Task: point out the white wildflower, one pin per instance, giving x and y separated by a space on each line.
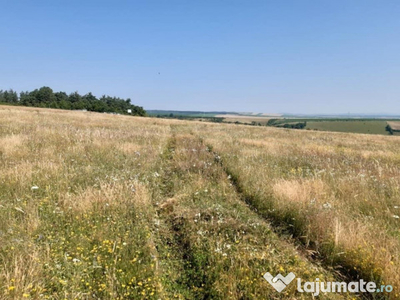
34 188
327 205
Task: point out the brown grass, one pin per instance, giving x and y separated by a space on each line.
394 125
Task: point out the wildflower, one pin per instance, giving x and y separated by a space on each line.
396 217
34 188
11 288
75 260
327 205
156 174
63 282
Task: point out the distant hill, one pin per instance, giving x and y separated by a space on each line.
195 113
187 113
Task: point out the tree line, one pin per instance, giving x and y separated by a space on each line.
45 97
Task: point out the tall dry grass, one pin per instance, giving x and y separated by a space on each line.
337 194
96 206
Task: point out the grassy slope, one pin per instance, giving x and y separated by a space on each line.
338 194
137 208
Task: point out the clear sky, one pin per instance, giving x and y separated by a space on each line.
278 56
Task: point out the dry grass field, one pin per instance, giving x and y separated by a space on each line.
97 206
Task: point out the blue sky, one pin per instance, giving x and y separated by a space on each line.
260 56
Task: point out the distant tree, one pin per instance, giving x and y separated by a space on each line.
90 101
9 97
27 99
389 129
65 104
45 97
75 99
61 96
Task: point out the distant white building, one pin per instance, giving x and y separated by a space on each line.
129 111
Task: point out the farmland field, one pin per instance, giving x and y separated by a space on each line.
98 206
356 126
245 119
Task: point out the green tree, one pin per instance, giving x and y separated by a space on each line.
10 97
45 96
